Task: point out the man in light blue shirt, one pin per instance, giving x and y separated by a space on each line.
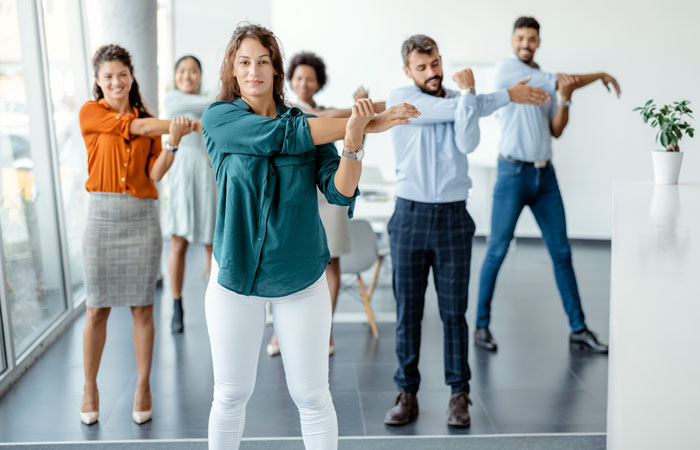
526 178
430 226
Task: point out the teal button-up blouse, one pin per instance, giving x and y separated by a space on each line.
269 240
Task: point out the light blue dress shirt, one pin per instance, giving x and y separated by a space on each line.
431 152
525 129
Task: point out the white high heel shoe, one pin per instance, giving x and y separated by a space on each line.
142 416
273 349
88 418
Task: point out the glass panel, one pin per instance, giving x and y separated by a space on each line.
33 275
3 357
72 157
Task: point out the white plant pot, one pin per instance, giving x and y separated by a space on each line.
667 166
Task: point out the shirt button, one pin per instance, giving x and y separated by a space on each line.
124 164
122 178
128 149
118 116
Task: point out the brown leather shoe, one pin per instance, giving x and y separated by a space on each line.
458 410
405 409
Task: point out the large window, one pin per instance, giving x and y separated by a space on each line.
3 355
67 95
32 259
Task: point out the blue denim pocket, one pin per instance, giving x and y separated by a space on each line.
508 168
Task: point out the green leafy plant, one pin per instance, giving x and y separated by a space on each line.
670 121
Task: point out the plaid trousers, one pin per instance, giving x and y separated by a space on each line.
421 236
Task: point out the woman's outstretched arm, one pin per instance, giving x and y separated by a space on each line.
324 131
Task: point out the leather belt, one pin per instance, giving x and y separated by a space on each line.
542 164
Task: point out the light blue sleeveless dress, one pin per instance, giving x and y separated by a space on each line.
190 209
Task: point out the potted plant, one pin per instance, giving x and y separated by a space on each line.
669 120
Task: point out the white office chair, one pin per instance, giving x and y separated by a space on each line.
363 255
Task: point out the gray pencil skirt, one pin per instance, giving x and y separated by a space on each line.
121 250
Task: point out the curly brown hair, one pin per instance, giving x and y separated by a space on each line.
114 52
230 90
309 59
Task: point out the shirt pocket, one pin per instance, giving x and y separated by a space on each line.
296 178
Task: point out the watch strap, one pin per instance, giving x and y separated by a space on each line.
357 156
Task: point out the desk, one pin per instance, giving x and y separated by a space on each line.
374 208
654 362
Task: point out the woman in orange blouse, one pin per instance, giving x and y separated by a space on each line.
122 242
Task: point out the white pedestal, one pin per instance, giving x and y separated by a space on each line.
654 365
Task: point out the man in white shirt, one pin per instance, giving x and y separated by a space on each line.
430 226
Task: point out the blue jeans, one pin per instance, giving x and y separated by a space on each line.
519 185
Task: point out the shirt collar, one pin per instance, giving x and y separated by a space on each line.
514 56
104 103
282 110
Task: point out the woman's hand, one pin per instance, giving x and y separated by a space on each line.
361 92
179 127
396 115
362 114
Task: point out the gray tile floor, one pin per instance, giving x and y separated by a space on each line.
534 384
491 442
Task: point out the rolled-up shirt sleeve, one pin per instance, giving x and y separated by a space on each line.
95 118
235 129
327 162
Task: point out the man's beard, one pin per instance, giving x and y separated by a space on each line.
528 60
437 91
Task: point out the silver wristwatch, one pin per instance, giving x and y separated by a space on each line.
169 147
470 90
357 156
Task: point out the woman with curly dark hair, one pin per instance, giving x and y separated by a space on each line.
269 244
307 76
122 241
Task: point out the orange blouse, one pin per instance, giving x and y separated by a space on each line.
117 161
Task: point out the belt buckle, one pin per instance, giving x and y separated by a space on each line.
541 164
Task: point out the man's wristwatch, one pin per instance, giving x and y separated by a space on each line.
565 104
469 90
357 156
170 148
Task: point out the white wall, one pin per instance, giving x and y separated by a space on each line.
203 28
651 48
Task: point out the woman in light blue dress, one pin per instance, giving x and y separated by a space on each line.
191 205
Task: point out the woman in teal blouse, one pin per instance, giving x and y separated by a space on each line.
269 243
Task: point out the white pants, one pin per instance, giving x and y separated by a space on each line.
236 325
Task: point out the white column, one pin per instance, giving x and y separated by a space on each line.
132 24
